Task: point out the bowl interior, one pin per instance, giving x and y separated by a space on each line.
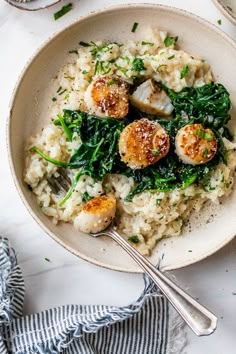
29 113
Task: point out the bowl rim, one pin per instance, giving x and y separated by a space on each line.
18 6
30 61
225 11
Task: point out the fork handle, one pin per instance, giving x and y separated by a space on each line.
199 319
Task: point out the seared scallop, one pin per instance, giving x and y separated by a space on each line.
195 145
97 214
143 143
107 97
150 98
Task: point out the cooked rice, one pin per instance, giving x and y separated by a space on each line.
151 216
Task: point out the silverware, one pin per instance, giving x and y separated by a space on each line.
199 319
59 181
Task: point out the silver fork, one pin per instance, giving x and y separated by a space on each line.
199 319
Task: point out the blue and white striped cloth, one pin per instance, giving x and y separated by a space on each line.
148 326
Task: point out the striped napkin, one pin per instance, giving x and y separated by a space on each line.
147 326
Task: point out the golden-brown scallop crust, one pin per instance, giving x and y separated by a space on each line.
196 143
143 143
110 95
99 204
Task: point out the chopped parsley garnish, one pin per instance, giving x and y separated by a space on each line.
100 68
84 72
84 44
73 51
171 57
47 259
168 41
135 25
156 152
208 136
219 22
63 11
205 152
200 133
67 96
113 82
68 77
126 59
148 43
138 65
97 50
61 92
54 99
121 69
203 134
184 71
134 239
158 201
86 197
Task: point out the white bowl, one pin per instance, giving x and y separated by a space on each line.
28 115
34 5
228 9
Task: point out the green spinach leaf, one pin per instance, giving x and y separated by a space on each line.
98 153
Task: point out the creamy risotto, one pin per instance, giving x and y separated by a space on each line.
151 79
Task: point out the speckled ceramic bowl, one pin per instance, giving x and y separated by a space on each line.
28 114
228 9
33 5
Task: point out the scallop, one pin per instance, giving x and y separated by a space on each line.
97 214
195 145
107 96
143 143
150 98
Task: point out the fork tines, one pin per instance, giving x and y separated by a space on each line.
59 181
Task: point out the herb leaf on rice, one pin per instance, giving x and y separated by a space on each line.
98 153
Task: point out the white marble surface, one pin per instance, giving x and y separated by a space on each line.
67 279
